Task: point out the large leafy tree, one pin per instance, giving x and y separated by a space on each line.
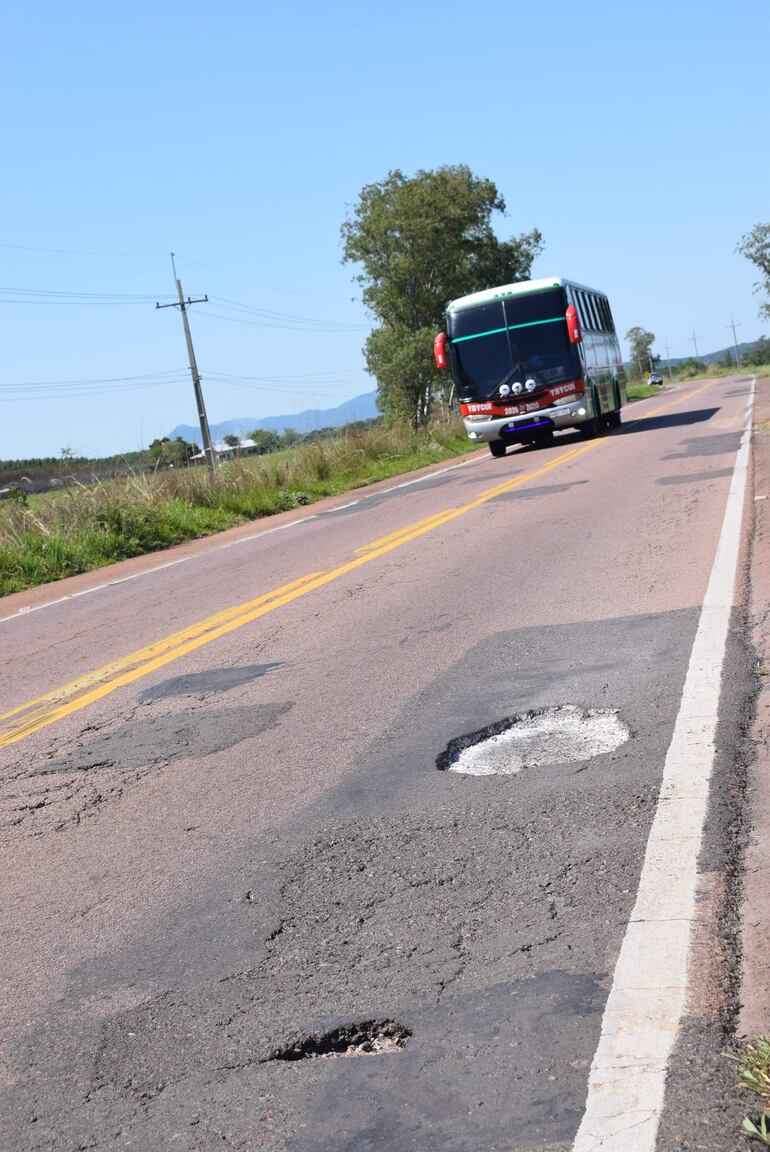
640 343
265 440
420 242
755 246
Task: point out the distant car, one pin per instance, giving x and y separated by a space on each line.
654 378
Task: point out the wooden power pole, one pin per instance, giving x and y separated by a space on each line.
183 305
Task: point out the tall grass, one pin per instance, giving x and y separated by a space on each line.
82 528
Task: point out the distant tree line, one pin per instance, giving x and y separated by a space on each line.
41 472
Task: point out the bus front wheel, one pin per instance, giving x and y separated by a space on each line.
497 447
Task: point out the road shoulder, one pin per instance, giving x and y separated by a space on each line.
755 912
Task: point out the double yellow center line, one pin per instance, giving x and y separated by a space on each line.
25 719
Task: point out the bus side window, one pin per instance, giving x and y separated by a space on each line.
603 314
609 318
583 311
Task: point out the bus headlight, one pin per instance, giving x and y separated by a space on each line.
517 388
530 385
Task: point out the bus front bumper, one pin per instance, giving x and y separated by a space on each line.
524 427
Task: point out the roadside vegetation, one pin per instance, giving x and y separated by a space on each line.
754 1073
83 527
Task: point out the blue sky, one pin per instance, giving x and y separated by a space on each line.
633 136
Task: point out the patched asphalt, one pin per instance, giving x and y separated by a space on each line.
481 914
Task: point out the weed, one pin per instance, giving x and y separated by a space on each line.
754 1073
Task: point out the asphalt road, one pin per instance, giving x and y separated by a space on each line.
227 845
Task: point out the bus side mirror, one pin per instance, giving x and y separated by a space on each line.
439 351
573 325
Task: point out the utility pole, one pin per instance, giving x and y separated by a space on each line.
735 343
183 305
668 362
695 342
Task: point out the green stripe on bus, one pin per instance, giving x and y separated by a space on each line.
510 328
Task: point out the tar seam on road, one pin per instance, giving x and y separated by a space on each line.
25 719
644 1008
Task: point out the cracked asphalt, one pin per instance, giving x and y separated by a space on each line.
254 845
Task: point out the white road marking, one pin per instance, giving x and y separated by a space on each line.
22 613
644 1008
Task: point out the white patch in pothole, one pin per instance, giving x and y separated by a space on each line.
552 736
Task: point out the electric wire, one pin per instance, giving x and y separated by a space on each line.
257 284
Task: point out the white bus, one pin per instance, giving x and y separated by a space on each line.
533 357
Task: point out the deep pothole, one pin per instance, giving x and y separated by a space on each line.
534 739
367 1038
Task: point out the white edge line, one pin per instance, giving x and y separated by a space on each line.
644 1008
23 613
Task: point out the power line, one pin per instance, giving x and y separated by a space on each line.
278 327
257 284
289 379
161 377
237 305
11 395
76 252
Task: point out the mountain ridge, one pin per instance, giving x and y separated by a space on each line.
363 407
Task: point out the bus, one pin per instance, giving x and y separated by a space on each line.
531 358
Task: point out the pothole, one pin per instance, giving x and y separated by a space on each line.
536 738
368 1038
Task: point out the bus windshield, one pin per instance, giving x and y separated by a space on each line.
518 338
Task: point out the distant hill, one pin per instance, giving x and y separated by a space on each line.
710 357
359 408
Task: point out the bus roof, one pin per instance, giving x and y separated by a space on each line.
521 288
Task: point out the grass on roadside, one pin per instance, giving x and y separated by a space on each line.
754 1075
640 391
82 528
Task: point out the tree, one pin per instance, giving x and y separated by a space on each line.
178 451
290 436
640 343
265 440
420 242
755 246
758 353
231 440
